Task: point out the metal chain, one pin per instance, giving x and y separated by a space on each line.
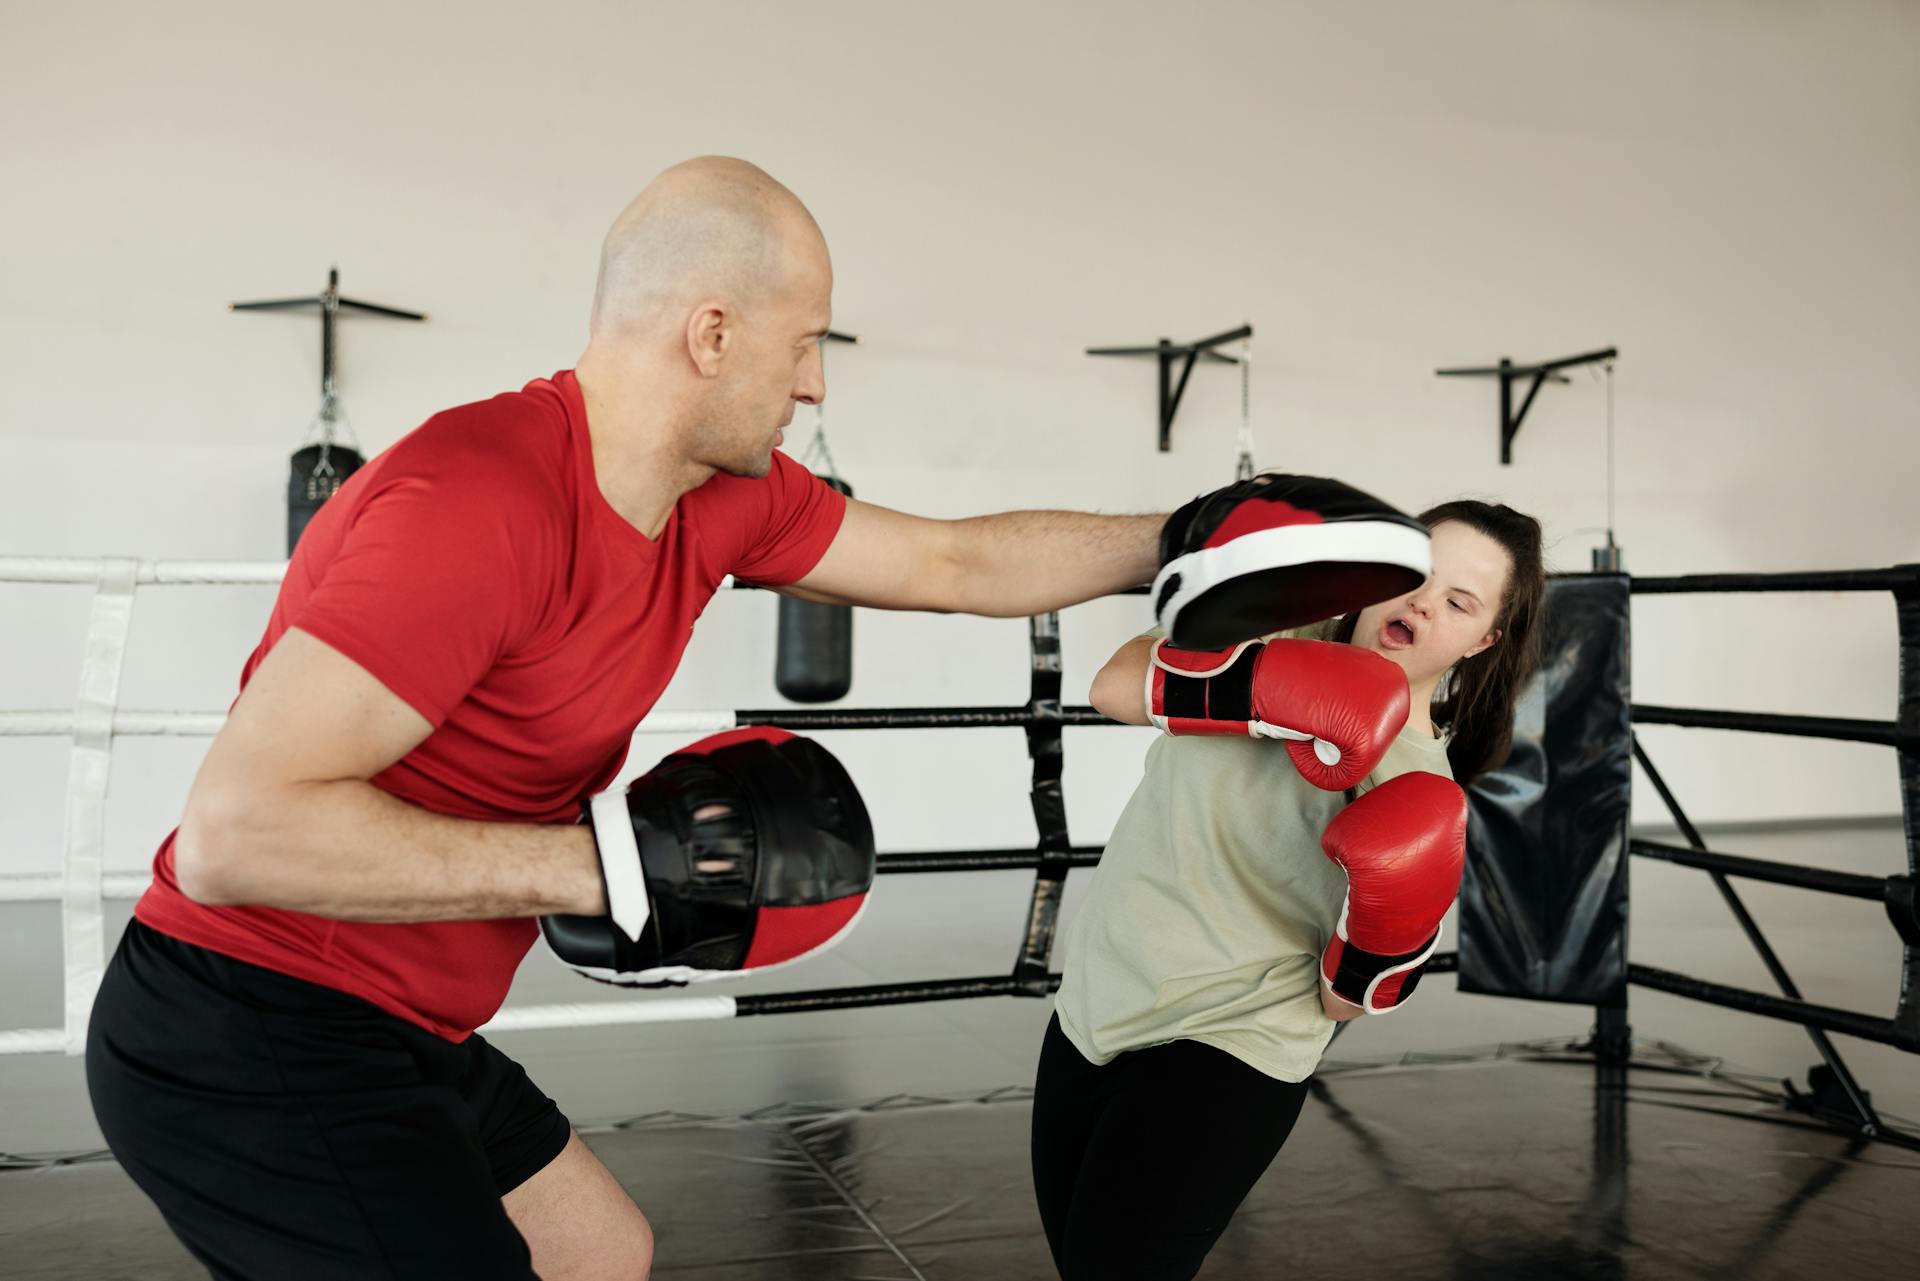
1244 469
330 427
817 450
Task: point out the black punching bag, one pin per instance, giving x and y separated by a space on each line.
814 658
314 475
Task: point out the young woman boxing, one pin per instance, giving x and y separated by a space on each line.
1283 864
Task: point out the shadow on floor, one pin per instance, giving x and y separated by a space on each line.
1519 1161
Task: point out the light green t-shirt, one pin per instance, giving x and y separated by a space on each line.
1212 904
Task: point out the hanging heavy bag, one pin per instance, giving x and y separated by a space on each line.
314 474
813 660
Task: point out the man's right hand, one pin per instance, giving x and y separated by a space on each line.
1338 706
1277 551
745 851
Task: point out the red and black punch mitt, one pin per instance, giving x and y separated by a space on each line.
1280 551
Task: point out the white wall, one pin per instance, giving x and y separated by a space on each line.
1727 191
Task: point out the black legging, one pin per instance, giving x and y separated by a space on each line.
1139 1165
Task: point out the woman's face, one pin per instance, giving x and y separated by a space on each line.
1447 618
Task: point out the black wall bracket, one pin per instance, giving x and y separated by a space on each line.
1508 373
330 304
1169 352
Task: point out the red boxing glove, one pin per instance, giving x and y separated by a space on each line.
1338 706
1402 845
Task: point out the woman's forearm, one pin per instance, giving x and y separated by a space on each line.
1119 690
1335 1008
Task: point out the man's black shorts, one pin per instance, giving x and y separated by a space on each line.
289 1130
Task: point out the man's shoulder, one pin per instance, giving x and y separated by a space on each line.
511 446
514 427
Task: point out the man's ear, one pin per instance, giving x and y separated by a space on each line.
709 334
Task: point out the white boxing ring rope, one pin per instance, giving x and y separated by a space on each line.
207 724
83 570
96 720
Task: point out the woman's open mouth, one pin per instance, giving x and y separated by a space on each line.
1397 635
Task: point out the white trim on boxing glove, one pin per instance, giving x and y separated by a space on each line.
1366 1004
1328 753
1361 539
626 882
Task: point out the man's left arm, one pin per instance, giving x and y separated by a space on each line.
1008 565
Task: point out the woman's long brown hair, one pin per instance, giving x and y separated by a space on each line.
1477 696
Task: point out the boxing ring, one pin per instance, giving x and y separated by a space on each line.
96 721
1583 1203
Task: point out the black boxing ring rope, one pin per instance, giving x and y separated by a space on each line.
96 721
1885 733
1836 1094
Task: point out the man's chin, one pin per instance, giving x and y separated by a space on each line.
755 468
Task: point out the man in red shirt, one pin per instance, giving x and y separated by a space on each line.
282 1054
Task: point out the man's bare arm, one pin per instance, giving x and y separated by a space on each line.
281 813
1008 565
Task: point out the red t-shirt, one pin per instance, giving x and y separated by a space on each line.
476 571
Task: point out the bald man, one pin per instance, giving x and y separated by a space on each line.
283 1052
